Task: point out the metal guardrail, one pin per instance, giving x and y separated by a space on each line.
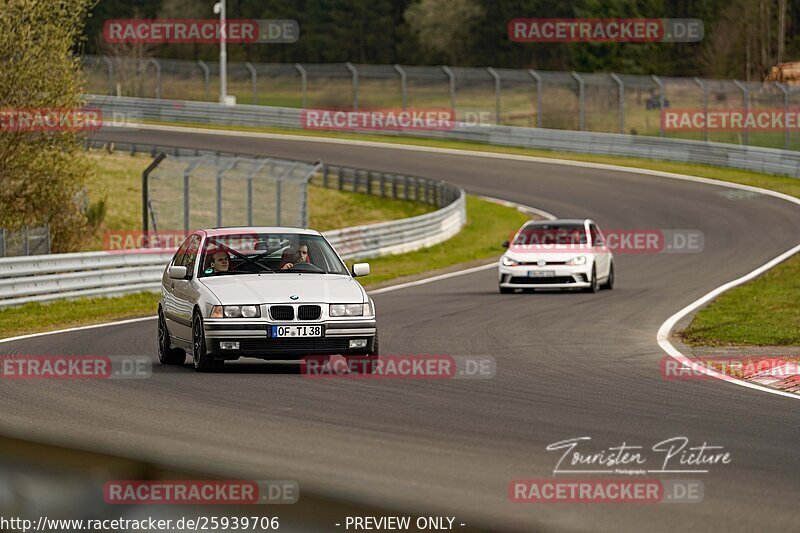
62 276
767 160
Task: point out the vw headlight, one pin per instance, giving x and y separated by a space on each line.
507 261
576 261
236 311
347 310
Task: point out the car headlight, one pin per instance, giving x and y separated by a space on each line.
347 309
507 261
236 311
578 260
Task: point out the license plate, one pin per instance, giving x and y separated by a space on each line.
541 273
296 331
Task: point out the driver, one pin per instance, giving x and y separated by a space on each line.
220 261
299 256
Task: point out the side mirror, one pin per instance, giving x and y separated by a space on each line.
177 272
506 244
360 269
599 242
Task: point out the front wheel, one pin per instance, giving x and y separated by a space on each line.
506 290
167 355
609 284
202 360
594 287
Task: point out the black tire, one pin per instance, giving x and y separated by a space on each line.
609 284
167 355
506 290
594 287
365 364
200 357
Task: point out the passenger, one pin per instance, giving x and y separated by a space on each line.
220 261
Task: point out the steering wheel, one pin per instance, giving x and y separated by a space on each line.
306 267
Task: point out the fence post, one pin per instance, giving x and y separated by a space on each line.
581 101
538 79
785 92
621 95
341 179
110 66
278 202
746 101
303 83
153 61
253 78
206 78
403 85
145 193
703 86
2 242
452 77
497 89
354 72
660 85
250 200
325 177
25 245
219 196
186 174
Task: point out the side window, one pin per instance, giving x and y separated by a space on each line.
177 260
190 258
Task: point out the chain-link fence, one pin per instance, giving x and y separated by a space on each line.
184 192
603 102
25 241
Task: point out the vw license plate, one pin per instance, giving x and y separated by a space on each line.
541 273
296 331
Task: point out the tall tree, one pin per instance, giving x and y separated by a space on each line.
42 173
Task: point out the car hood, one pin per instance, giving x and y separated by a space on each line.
251 289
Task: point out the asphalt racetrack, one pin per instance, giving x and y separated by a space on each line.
568 365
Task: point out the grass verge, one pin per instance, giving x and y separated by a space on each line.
763 312
488 224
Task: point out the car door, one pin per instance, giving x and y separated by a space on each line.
168 303
185 295
602 255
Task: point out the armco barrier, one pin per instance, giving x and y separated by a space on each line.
46 278
768 160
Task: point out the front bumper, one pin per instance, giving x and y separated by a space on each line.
254 338
564 277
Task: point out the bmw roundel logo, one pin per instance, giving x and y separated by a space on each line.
294 297
541 262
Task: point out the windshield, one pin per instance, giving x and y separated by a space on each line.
257 253
551 234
